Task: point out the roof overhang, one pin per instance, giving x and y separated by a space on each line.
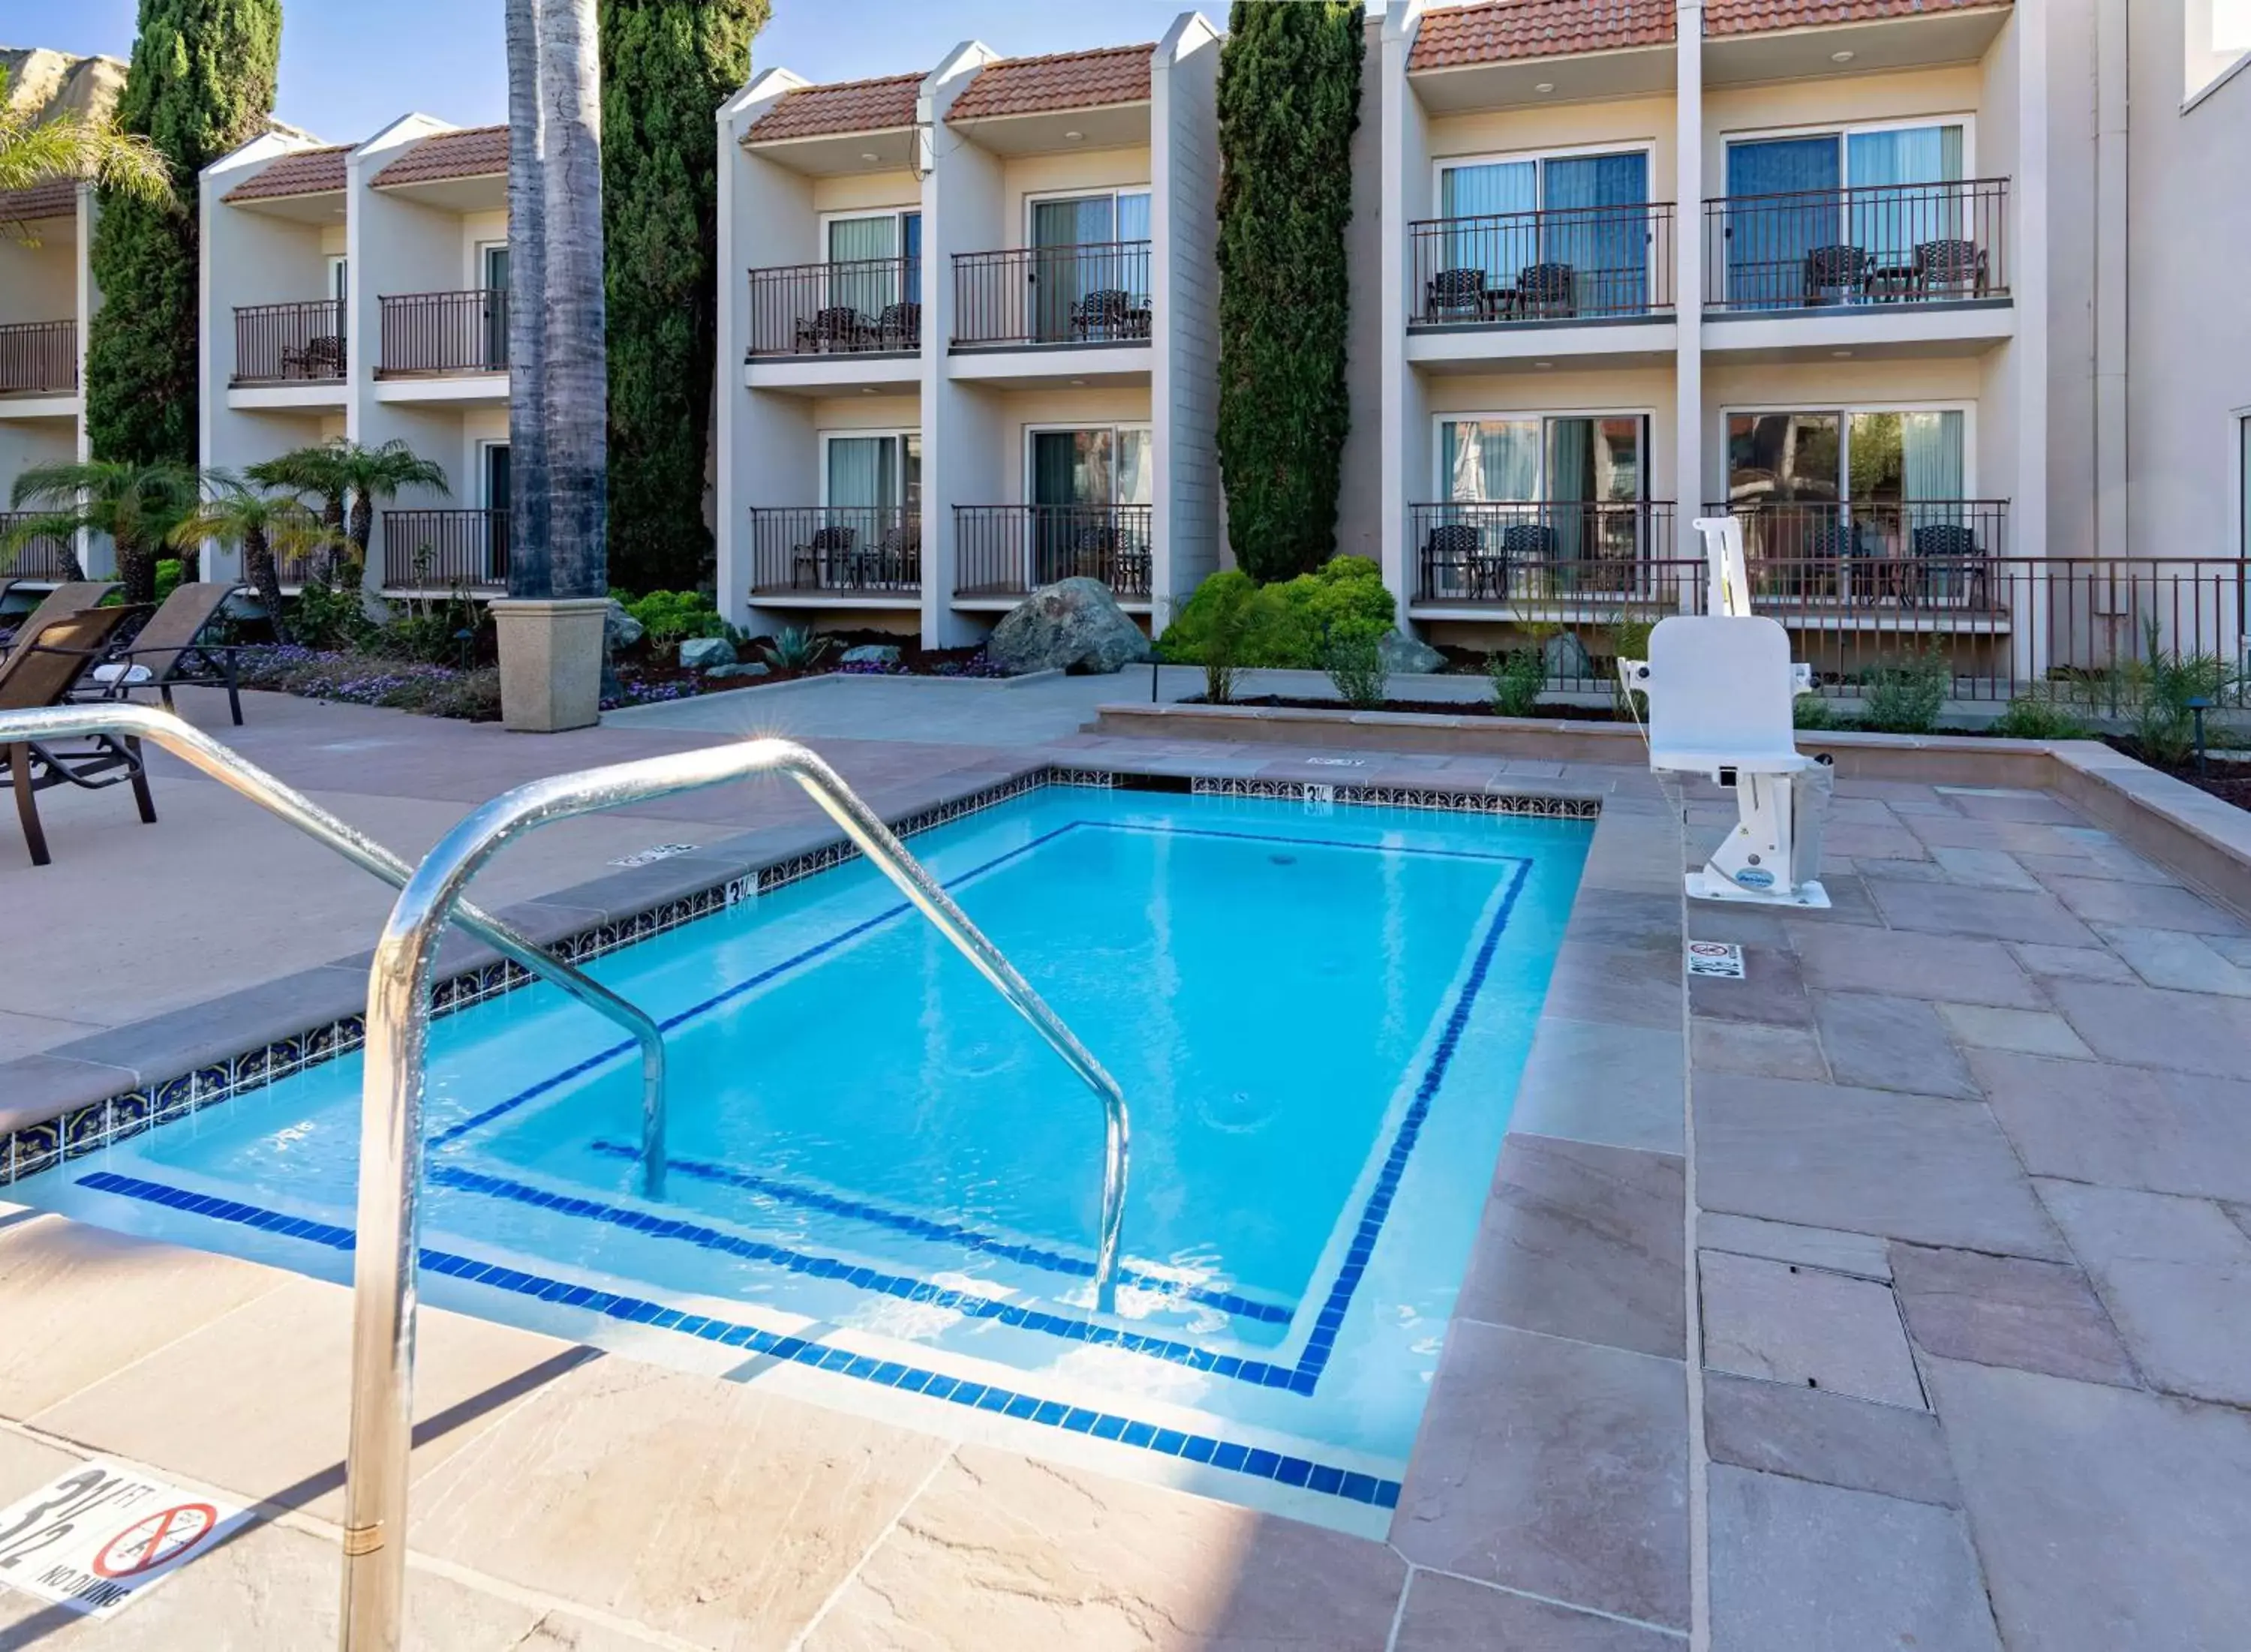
323 208
1922 40
1581 77
1109 125
486 192
838 154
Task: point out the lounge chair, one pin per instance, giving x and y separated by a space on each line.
169 654
63 599
46 664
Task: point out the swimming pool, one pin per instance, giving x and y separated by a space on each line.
883 1189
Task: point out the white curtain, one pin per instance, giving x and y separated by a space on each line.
866 286
1477 192
1491 460
1892 225
863 471
1134 481
1931 455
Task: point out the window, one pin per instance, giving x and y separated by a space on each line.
1531 488
1086 246
1795 238
492 263
2215 36
873 472
1584 213
492 465
883 253
339 285
1820 487
1104 464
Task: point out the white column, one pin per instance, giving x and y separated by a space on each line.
1688 484
1406 168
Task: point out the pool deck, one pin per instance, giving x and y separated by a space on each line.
1898 1294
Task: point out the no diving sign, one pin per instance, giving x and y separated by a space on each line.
97 1536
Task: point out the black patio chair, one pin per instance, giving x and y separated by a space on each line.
1548 292
1841 269
1950 269
1108 313
1452 558
838 327
820 556
1944 552
321 357
1458 295
899 327
898 557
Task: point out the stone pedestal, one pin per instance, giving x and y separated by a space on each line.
551 662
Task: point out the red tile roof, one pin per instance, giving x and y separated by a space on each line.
1453 36
474 152
56 199
300 172
849 106
1764 17
1070 80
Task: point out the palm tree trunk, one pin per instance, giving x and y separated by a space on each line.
136 567
576 363
265 579
363 529
332 520
529 572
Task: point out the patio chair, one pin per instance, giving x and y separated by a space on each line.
1548 292
169 653
46 664
1450 560
63 599
321 357
838 327
899 556
1455 295
1842 269
1943 553
820 555
899 327
1528 541
1950 269
1108 313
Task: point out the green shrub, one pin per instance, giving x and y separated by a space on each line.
1907 697
797 648
326 617
1517 677
2038 717
170 572
672 616
1284 625
1814 711
2164 724
1227 621
1352 654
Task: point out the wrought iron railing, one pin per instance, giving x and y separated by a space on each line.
43 556
854 306
1094 294
277 343
436 332
1500 554
1009 549
858 548
1915 553
434 549
1879 244
38 357
1564 263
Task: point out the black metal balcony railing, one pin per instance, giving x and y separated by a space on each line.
1003 551
1883 244
1094 294
858 549
436 549
46 556
1929 554
38 357
1481 553
1567 264
854 306
280 343
435 332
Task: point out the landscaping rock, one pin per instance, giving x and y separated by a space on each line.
621 630
1403 652
702 654
728 673
870 654
1074 624
1566 660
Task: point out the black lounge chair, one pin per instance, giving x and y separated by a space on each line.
169 652
50 656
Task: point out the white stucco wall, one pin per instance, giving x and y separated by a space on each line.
1184 393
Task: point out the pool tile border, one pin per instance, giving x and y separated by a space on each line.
31 1149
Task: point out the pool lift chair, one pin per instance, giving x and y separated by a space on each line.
1720 688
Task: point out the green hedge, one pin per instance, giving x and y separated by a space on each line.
1290 624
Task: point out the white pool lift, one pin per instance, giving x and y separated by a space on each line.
1720 688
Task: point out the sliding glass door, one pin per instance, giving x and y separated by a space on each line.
875 261
1818 490
1549 494
1794 237
1091 490
1084 244
1590 222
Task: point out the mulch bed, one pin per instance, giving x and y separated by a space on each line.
2228 781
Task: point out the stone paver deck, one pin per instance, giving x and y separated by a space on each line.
1891 1296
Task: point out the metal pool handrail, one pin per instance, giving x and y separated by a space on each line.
223 764
384 1290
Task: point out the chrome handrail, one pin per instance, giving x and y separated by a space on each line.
383 1287
223 764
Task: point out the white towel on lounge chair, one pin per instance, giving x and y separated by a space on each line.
117 671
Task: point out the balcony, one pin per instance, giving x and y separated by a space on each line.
289 343
44 558
437 549
841 551
38 358
1007 550
858 307
1552 560
1570 263
430 335
1089 294
1878 247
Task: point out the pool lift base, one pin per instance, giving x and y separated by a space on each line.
1720 688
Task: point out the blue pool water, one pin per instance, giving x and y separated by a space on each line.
884 1187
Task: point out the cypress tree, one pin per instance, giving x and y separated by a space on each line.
200 84
666 65
1289 100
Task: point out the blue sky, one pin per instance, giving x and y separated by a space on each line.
348 67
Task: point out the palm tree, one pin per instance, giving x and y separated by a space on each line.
267 527
575 365
136 505
74 144
348 478
529 571
310 474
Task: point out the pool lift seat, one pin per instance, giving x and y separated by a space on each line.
1720 688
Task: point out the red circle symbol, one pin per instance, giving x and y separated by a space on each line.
154 1540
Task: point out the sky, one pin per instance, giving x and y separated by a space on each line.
348 67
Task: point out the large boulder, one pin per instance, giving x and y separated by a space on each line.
1566 659
621 630
1074 624
870 655
1405 653
701 653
